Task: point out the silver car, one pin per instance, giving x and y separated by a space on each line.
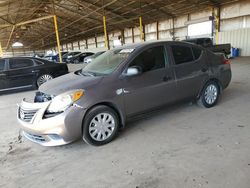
95 102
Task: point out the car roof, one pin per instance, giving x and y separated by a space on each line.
144 44
27 57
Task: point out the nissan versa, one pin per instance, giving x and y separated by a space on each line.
93 103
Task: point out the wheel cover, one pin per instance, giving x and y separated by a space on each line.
44 78
211 94
102 126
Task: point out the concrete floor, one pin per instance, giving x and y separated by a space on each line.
180 146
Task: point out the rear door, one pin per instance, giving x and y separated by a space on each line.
191 69
2 74
21 73
154 87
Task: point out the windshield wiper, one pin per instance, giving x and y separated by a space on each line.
87 73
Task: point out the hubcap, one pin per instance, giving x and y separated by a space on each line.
43 79
102 126
211 94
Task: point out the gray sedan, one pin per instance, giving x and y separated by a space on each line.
95 102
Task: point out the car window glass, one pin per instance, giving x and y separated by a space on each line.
2 64
38 62
182 54
20 63
150 59
197 52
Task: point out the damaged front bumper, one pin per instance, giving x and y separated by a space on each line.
50 129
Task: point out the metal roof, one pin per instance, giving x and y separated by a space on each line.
79 19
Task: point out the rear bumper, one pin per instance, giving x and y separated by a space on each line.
226 77
57 130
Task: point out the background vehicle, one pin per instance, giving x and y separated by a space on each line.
27 72
90 58
79 58
54 58
69 55
93 103
208 43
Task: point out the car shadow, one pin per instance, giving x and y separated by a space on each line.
157 114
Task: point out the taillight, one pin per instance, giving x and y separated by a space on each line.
226 61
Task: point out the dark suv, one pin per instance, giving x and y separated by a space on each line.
93 103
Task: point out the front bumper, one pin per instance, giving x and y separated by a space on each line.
58 129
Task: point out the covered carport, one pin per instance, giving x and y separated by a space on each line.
181 145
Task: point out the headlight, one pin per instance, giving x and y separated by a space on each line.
61 102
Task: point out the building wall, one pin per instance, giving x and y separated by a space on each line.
235 26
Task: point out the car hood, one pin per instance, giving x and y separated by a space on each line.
68 82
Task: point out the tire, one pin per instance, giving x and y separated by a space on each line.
76 61
43 78
209 95
94 133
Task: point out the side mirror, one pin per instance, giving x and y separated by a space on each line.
133 71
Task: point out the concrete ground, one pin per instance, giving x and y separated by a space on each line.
180 146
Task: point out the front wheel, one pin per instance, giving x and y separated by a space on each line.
43 78
100 126
209 95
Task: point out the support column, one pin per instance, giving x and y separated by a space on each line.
141 29
105 33
57 39
157 30
1 50
86 44
217 24
133 35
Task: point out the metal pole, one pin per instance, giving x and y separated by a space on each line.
57 39
217 27
1 50
141 28
105 32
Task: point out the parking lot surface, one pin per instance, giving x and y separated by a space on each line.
179 146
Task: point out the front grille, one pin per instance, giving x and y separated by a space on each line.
26 115
35 138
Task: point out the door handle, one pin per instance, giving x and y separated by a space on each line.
166 78
35 71
2 74
204 69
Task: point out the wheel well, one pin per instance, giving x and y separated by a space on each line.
112 106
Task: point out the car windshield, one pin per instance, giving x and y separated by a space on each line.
107 62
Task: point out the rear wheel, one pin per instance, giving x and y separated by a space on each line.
100 126
209 95
76 61
43 78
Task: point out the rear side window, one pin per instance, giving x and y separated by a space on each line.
197 52
38 62
20 63
150 59
182 54
2 64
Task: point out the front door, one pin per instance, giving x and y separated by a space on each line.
20 73
155 86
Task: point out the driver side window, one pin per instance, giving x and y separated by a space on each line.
150 59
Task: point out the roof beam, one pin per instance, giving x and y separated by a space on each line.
77 20
84 3
11 33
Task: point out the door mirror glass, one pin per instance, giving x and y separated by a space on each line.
133 71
